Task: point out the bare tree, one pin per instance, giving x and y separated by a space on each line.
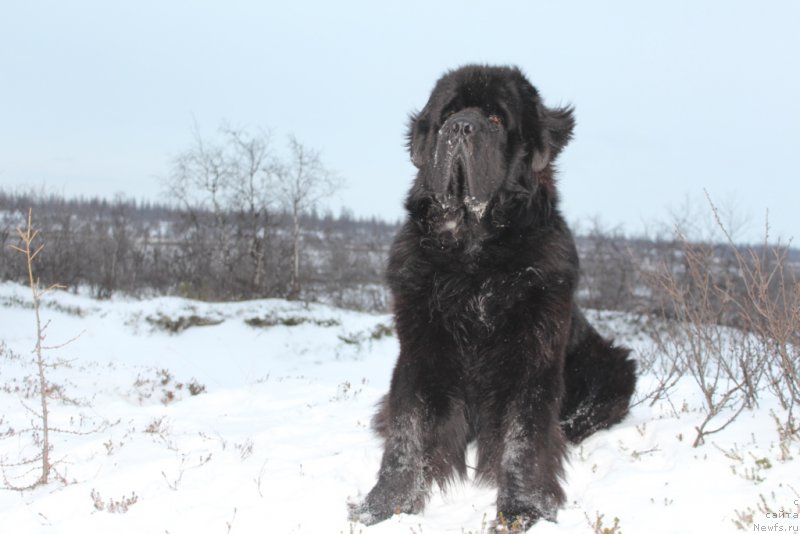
42 428
200 177
224 185
302 182
27 236
242 222
252 168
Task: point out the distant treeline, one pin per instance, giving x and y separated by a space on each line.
143 248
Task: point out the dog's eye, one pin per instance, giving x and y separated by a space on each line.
495 119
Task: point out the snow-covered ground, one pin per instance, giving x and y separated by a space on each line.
279 439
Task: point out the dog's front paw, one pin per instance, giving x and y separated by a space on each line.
513 523
366 512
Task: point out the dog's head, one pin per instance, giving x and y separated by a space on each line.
485 136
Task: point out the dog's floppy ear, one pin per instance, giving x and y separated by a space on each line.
418 128
557 125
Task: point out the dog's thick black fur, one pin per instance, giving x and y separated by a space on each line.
493 348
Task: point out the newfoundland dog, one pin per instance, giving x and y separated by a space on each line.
493 348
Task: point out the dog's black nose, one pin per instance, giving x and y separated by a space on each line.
462 127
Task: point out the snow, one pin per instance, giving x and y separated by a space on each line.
279 441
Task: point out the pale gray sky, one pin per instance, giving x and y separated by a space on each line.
671 97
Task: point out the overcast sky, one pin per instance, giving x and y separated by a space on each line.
671 98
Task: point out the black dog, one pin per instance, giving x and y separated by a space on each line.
493 348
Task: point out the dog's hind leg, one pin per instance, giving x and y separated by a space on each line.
599 380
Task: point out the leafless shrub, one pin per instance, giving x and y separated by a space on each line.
598 526
195 388
174 482
609 270
229 524
157 426
245 448
164 382
113 506
181 323
288 320
734 324
359 338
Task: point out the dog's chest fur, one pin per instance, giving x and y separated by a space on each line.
473 305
